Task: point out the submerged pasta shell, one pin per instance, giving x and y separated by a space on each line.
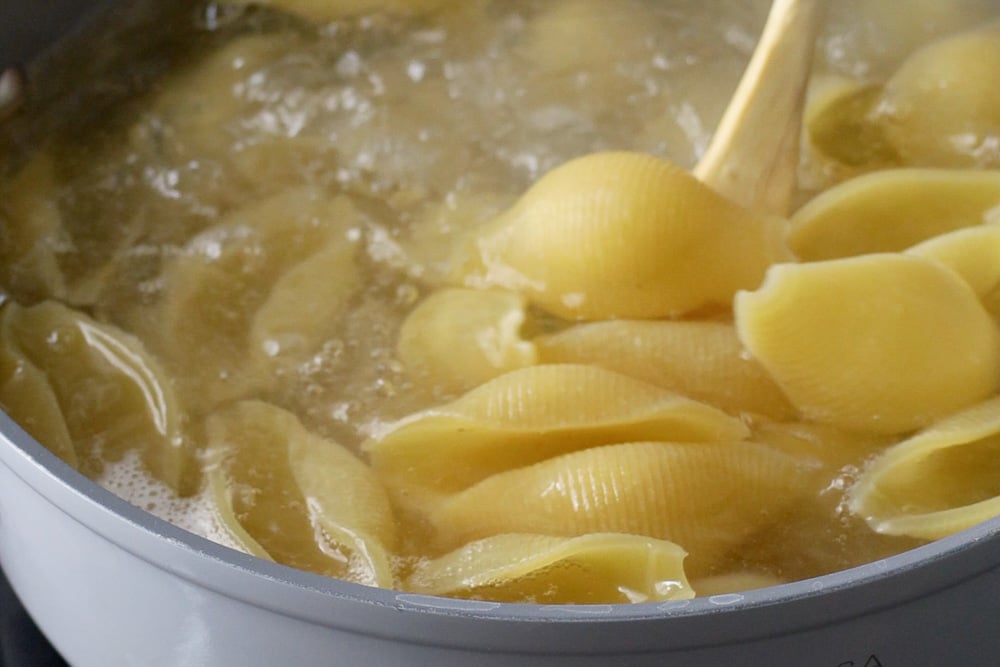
220 295
113 395
457 339
305 500
533 414
891 210
32 233
220 493
304 307
702 360
592 569
27 396
844 135
706 497
943 102
942 480
831 447
623 235
883 343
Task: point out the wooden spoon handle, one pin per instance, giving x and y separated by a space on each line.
754 154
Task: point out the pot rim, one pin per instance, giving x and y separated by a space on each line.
715 620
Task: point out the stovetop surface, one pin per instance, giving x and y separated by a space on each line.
21 643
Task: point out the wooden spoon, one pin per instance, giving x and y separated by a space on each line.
754 154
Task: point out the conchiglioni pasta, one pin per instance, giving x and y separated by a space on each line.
415 293
812 326
113 395
889 211
622 235
536 413
599 567
700 359
457 339
303 499
938 482
681 492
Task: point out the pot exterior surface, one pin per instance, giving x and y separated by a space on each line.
108 593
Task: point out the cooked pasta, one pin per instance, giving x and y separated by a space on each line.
422 295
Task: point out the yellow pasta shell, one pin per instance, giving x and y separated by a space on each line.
882 343
623 235
27 396
972 253
943 102
942 480
305 500
702 360
457 339
889 211
533 414
706 497
592 569
113 396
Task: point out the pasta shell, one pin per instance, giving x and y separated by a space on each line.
457 339
33 233
943 104
940 481
592 569
304 307
844 134
226 275
533 414
702 360
305 500
973 253
27 396
882 343
622 235
891 210
706 497
220 493
113 395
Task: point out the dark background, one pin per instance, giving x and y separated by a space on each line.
21 643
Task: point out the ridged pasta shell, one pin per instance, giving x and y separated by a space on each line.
216 287
885 343
592 569
943 104
533 414
940 481
622 235
889 211
706 497
27 396
457 339
114 397
305 500
702 360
